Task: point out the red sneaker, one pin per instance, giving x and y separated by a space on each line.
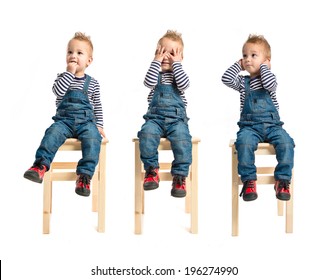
282 189
83 185
179 186
36 173
151 179
249 190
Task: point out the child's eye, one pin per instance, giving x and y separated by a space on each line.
80 53
254 55
244 55
69 52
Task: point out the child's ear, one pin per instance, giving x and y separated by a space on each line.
89 60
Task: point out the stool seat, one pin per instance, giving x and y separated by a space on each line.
191 199
66 171
265 175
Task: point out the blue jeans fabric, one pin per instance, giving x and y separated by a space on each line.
74 119
260 122
166 117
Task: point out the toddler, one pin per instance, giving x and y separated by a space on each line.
166 115
259 121
78 115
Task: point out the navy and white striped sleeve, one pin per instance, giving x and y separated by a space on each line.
62 83
231 77
269 82
96 102
151 77
181 78
268 79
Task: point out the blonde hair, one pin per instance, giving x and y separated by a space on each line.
174 36
82 37
261 40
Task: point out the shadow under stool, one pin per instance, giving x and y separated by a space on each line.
265 175
66 171
191 199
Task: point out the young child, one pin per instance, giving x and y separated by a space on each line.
259 120
78 115
166 115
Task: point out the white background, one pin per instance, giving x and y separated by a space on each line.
34 35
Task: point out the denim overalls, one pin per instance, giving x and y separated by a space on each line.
260 122
74 119
166 117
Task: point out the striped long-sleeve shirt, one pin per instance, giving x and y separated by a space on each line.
67 81
177 74
266 80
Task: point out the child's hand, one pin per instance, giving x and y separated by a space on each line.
102 132
72 67
267 62
175 56
240 62
160 53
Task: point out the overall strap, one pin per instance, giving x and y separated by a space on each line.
247 84
159 78
86 83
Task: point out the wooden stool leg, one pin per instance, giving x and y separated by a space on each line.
139 193
142 194
289 216
188 197
235 180
102 189
95 190
47 201
194 190
280 208
289 211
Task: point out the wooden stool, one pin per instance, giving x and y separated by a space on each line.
265 175
66 171
191 200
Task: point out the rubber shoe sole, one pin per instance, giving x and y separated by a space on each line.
283 196
148 186
33 176
82 192
178 193
250 196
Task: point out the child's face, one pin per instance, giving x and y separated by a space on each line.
80 53
253 56
171 48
